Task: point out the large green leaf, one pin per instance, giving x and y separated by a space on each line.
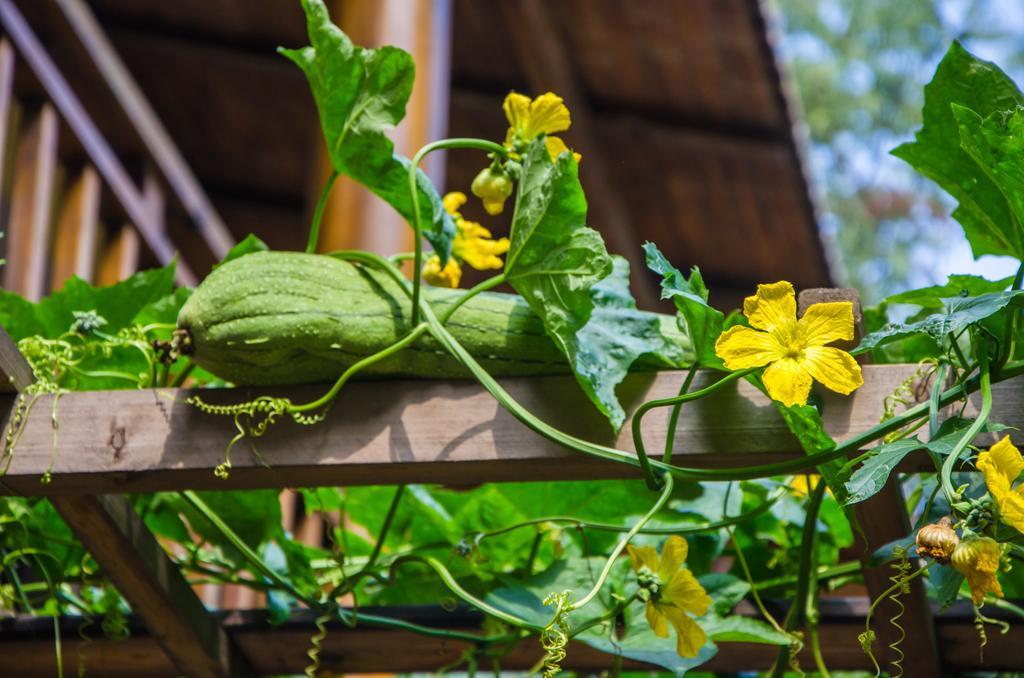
936 152
555 261
613 338
703 323
360 95
996 143
934 296
960 312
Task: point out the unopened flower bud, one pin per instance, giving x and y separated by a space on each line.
493 186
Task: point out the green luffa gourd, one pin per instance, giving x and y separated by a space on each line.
291 317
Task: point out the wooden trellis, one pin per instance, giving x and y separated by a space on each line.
391 432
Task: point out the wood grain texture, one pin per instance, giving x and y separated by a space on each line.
130 556
15 372
386 432
26 646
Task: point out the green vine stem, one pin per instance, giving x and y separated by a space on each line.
760 509
318 214
666 492
806 583
851 445
972 431
479 144
677 401
673 418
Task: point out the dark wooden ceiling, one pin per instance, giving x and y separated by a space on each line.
685 100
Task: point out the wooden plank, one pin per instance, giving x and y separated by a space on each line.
26 646
134 561
549 66
28 228
387 432
883 519
149 127
99 150
8 127
77 231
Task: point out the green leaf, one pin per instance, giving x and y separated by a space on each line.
872 475
360 95
703 322
965 80
118 303
959 314
935 296
248 245
943 584
807 425
614 337
995 143
555 261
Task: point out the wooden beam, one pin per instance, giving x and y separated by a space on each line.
31 216
549 66
130 556
26 646
77 230
149 127
99 150
418 431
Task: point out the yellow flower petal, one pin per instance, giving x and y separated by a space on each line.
1001 465
673 556
473 245
448 276
555 147
643 556
788 382
827 322
517 111
683 590
834 368
690 637
453 201
978 560
741 347
657 620
773 305
548 114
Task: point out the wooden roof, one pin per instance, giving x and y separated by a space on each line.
678 111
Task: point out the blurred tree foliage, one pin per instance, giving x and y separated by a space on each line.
860 67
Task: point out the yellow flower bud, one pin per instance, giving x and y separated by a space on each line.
937 541
493 187
977 559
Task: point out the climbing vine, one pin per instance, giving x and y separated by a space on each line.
649 569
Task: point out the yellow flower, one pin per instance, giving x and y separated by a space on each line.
794 350
977 559
671 590
448 276
528 119
473 243
1001 465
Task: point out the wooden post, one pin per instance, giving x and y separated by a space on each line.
75 240
883 519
